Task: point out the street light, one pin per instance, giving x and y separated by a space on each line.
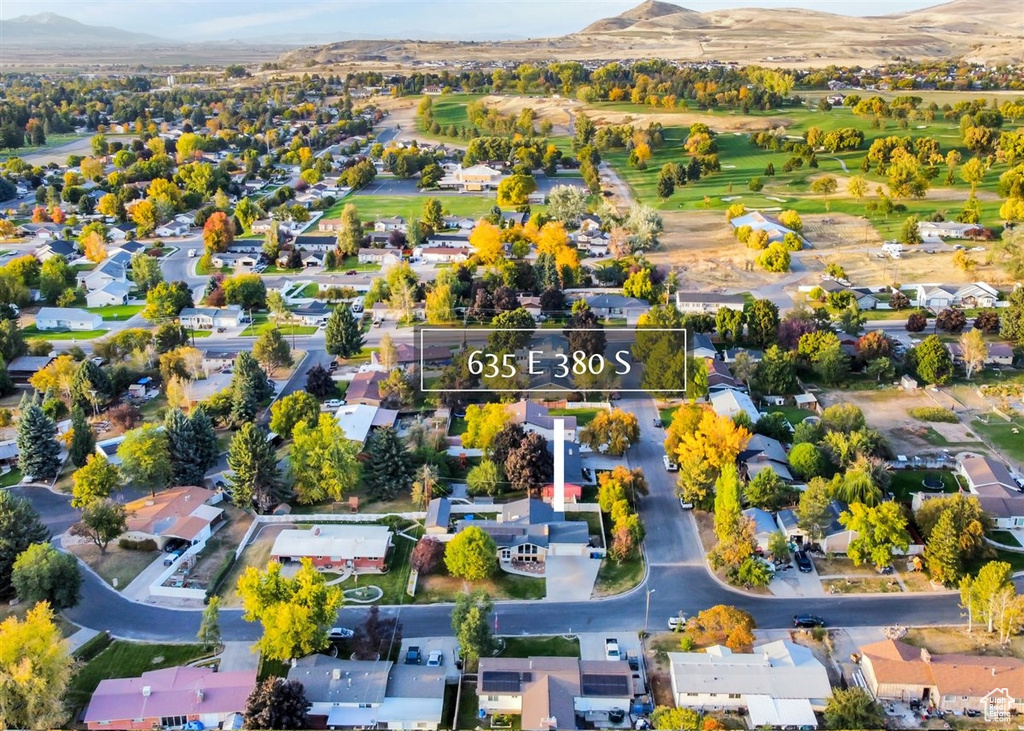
647 611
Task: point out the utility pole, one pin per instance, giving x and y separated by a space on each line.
647 611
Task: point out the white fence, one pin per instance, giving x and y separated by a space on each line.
157 588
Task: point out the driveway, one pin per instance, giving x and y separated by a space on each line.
570 578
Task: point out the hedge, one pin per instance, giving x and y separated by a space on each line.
93 647
935 413
146 544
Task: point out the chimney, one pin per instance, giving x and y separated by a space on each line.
925 655
993 672
146 691
336 674
199 695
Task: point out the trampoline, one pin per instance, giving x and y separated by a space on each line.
931 482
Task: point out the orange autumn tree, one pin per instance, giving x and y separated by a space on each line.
486 241
94 246
722 625
39 215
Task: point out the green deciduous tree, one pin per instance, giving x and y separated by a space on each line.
471 625
350 233
102 522
288 412
41 573
612 432
166 300
209 627
881 530
271 350
95 480
145 459
295 612
934 364
20 527
471 555
853 708
486 478
323 462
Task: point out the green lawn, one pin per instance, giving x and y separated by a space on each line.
458 425
352 263
411 206
54 140
33 333
310 290
583 416
792 413
1001 435
556 646
667 414
262 323
1005 537
11 478
200 333
117 312
905 482
127 660
615 578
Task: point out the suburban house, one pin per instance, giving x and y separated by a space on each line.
42 230
384 311
998 353
997 491
939 296
719 375
730 402
459 222
760 222
708 302
617 305
56 247
779 684
113 294
189 513
554 692
701 346
370 694
172 228
514 218
573 493
933 232
529 531
764 526
24 367
322 244
326 225
170 699
475 178
835 538
216 360
363 389
729 354
263 225
67 318
208 318
441 254
235 261
533 417
357 420
112 269
897 671
392 223
384 257
457 239
314 313
765 453
347 546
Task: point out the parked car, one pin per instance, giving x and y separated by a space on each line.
174 544
676 622
807 621
670 466
413 656
350 272
334 403
435 659
611 650
333 366
685 504
657 423
191 253
803 562
340 633
173 556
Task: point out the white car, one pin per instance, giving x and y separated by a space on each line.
611 650
435 658
677 622
334 403
670 466
191 253
340 633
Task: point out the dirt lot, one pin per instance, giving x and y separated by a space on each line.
942 640
257 554
223 542
706 255
888 411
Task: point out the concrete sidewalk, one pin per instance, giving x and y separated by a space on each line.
80 637
138 590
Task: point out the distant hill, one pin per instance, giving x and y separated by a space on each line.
58 31
984 31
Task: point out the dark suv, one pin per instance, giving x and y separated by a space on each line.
803 562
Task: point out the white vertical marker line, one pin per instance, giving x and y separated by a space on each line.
558 500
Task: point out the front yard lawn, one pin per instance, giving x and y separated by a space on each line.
615 578
555 646
116 312
11 478
583 416
441 587
262 323
116 563
33 333
128 660
1006 436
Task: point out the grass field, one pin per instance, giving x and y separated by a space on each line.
541 647
33 333
52 141
906 482
11 478
1001 434
128 660
262 323
411 206
583 416
116 312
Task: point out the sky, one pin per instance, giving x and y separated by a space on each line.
320 20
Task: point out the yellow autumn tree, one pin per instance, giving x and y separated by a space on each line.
486 240
95 247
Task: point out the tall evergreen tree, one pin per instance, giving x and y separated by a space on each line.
256 480
6 384
83 441
249 387
343 335
38 451
90 385
943 555
181 444
389 469
207 449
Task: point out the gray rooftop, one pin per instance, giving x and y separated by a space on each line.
330 680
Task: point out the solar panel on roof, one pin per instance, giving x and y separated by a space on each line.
605 685
504 680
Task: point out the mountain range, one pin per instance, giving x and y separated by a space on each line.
54 29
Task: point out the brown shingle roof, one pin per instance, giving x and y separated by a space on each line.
899 663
